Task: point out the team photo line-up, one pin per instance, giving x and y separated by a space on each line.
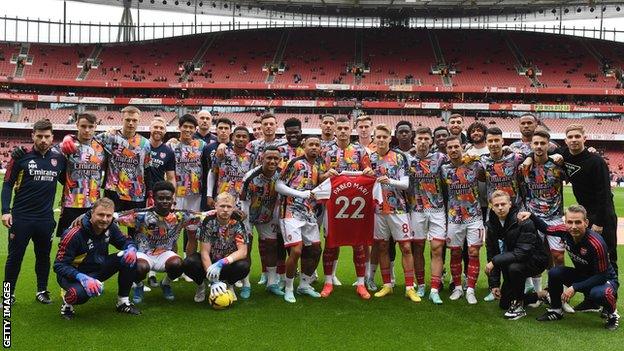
402 187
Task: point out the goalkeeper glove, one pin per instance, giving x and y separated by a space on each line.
92 286
68 145
214 271
217 288
128 256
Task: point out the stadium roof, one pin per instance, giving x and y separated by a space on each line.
374 8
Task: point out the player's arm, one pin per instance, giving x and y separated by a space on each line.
204 252
554 230
522 250
7 192
285 190
69 248
126 218
603 191
242 240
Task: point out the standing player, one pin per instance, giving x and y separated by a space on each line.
476 136
189 155
223 256
204 119
256 127
293 136
593 274
129 157
440 134
544 187
528 123
260 201
391 217
464 217
162 157
33 179
157 231
344 156
328 131
83 263
455 125
427 218
269 126
299 225
364 129
215 150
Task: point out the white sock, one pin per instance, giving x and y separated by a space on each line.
290 284
537 283
359 281
271 275
329 279
392 270
367 271
151 274
246 281
433 290
122 300
334 269
166 280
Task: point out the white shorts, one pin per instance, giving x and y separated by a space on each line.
428 225
296 231
157 262
555 243
190 203
458 232
395 226
268 231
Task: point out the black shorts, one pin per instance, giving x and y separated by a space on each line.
68 215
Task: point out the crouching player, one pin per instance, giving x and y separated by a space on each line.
592 274
157 230
83 263
223 250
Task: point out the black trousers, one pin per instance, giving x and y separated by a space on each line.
75 294
40 231
514 276
604 295
609 234
230 273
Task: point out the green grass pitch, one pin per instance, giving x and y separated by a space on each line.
267 323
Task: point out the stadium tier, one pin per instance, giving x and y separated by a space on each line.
388 56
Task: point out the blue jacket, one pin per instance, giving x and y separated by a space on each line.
81 251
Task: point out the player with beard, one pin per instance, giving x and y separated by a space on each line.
464 218
31 181
341 157
455 125
204 119
299 225
163 158
391 217
427 217
440 134
528 122
259 200
328 132
293 136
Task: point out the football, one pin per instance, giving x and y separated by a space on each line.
221 301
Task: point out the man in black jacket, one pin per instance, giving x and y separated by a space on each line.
522 255
83 263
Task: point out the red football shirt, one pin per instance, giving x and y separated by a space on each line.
350 208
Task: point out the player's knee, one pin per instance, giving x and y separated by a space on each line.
295 251
142 267
406 248
556 272
514 269
76 295
173 264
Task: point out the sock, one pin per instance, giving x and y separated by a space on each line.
290 284
409 278
420 277
537 283
436 282
329 255
151 274
456 260
271 275
281 267
122 300
305 281
372 271
359 260
329 279
386 276
473 271
334 267
359 281
246 281
368 269
283 277
166 280
391 270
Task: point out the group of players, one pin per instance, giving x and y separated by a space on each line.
443 186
